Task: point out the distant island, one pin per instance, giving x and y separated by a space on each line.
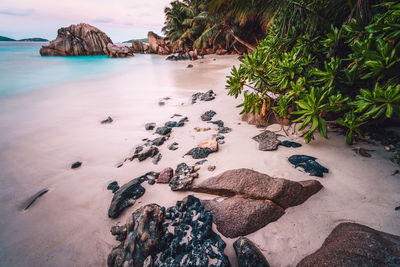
144 40
36 39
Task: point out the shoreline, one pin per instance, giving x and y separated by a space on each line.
69 225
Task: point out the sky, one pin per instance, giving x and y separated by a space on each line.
121 20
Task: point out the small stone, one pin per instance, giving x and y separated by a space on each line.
76 165
189 66
224 130
108 120
397 208
173 146
147 153
211 168
287 143
218 122
212 144
158 141
389 148
149 126
157 159
163 130
308 164
165 176
207 116
199 153
161 103
201 162
267 141
113 186
171 124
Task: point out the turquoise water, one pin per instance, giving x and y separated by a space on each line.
22 69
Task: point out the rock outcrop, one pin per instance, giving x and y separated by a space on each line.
178 236
139 47
248 254
118 51
157 44
259 198
352 244
77 40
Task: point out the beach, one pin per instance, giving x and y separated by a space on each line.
45 131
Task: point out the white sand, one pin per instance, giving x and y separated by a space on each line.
44 132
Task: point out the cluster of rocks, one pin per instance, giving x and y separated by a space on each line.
221 128
204 149
83 40
191 55
183 177
308 164
208 115
207 96
259 198
149 149
126 195
178 236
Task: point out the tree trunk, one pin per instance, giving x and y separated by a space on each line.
249 46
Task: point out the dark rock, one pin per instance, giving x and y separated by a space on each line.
267 141
287 143
165 176
397 208
113 186
224 130
157 159
33 198
161 103
208 115
158 141
183 178
149 126
199 153
108 120
248 254
77 40
76 165
182 122
189 239
207 96
308 164
171 124
163 130
218 122
173 146
201 162
189 66
147 153
145 231
178 236
125 197
260 199
211 168
352 244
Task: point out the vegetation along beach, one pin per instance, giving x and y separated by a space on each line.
200 133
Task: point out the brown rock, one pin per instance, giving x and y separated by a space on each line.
237 216
352 244
118 51
76 40
257 119
165 176
252 184
139 47
157 44
212 144
254 199
209 51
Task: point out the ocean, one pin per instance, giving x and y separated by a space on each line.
22 69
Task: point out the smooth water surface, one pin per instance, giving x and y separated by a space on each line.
22 69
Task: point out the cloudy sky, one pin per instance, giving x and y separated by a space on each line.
120 19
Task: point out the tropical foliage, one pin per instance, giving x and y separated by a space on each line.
321 60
